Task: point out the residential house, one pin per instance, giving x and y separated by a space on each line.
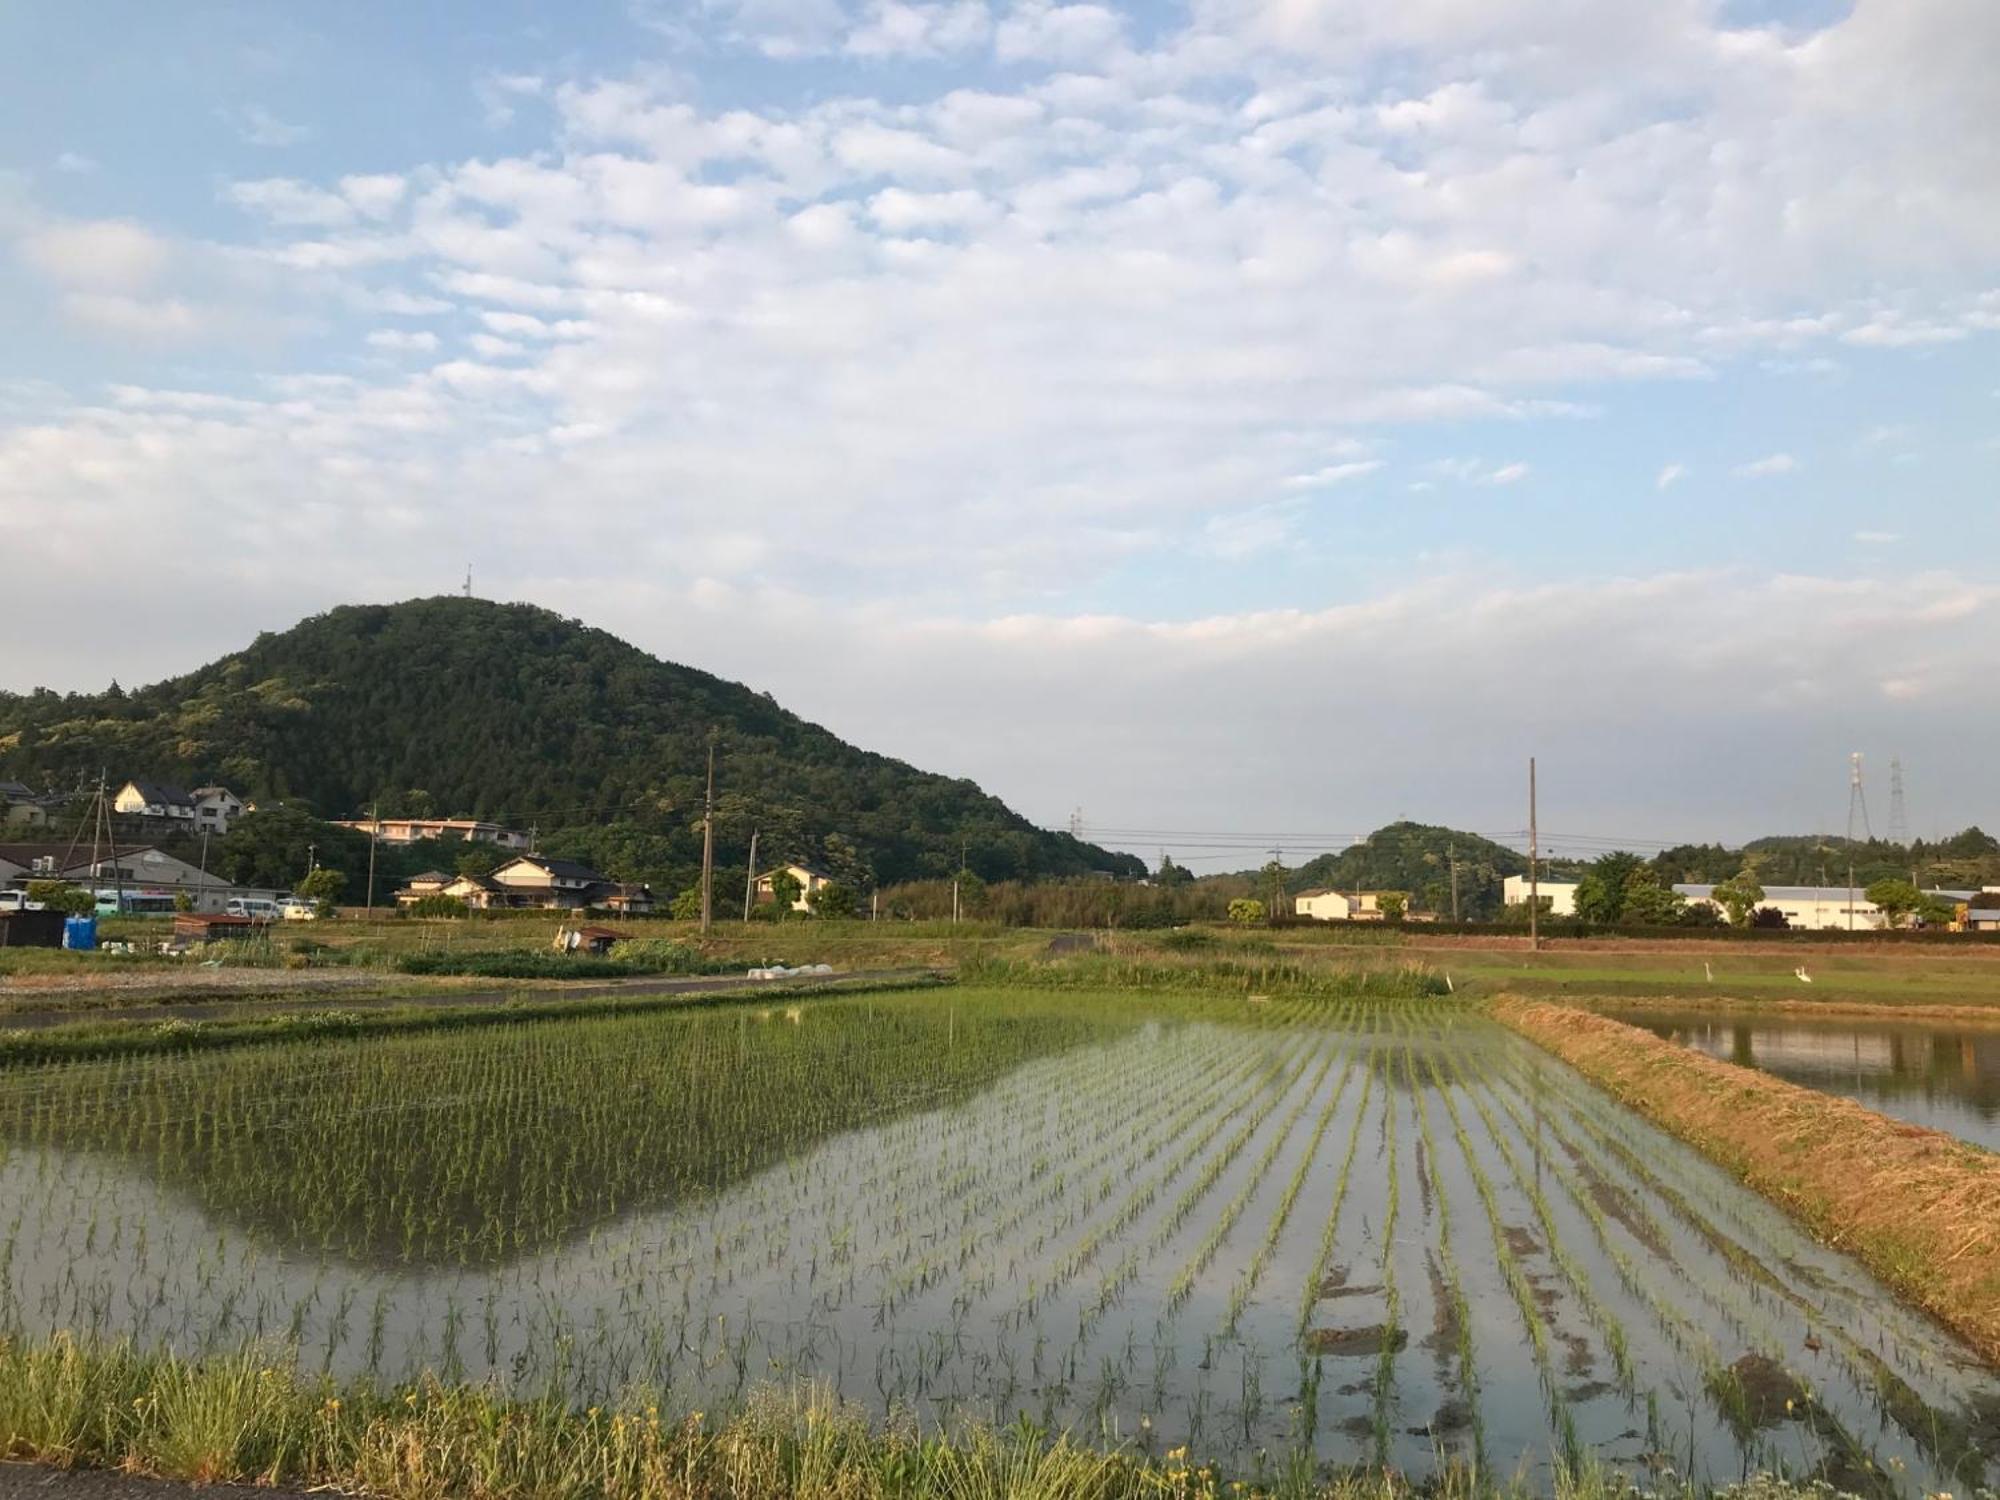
809 880
415 830
215 808
417 887
627 898
22 807
156 801
1558 897
1344 906
538 880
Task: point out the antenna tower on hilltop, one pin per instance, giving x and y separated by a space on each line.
1857 800
1899 817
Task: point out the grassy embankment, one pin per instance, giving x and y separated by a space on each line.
1919 1208
231 1418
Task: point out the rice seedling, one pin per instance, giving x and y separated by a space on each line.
1319 1232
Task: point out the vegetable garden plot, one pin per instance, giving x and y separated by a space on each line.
1342 1232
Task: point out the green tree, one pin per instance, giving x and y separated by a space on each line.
1738 897
183 901
437 904
1172 876
785 888
1650 904
1246 910
323 887
479 860
834 900
1897 900
60 895
1393 905
1600 893
686 906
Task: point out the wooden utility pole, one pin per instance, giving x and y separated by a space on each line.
708 844
1534 875
1454 881
374 827
954 879
750 880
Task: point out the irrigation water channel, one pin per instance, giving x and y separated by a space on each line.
1944 1077
1351 1233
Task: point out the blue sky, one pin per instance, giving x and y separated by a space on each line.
1270 415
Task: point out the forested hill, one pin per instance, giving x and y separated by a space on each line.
1418 858
461 707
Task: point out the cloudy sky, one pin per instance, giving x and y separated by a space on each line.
1267 417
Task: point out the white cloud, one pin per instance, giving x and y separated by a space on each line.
403 341
1333 474
374 195
283 200
1771 464
892 28
1512 473
1670 475
1072 35
257 126
1877 538
104 254
74 161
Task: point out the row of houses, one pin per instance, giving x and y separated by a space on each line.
530 882
1816 908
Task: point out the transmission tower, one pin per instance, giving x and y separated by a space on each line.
1899 817
1857 800
1076 824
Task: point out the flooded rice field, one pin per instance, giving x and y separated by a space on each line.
1943 1077
1272 1234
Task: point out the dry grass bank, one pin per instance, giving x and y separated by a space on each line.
1921 1209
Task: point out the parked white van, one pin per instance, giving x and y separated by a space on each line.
253 906
17 901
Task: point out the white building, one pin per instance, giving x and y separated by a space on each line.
140 798
1342 906
415 830
141 873
809 880
215 808
1558 897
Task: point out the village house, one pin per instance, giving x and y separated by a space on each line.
529 882
156 801
22 807
1343 906
416 830
215 808
1558 897
809 880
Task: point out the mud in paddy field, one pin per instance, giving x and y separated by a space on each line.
1381 1233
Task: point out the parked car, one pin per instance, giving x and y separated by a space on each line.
298 909
18 901
254 906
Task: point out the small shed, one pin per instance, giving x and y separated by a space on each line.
31 929
213 927
598 940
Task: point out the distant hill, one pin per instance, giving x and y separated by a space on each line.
505 711
1418 858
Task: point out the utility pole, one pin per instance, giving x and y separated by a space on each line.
954 879
1850 891
1454 881
750 880
374 827
708 843
1534 875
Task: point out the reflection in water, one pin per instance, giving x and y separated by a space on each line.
1943 1079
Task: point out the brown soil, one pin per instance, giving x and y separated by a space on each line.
1920 1208
1369 1340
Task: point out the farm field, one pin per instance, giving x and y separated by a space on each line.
1278 1233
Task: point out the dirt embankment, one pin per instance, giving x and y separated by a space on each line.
1921 1209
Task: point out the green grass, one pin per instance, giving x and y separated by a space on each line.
238 1418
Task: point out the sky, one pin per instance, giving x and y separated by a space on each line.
1255 418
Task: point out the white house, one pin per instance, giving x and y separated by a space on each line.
537 880
808 878
1342 906
414 830
215 808
21 807
140 798
1558 896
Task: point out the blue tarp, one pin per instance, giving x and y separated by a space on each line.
80 933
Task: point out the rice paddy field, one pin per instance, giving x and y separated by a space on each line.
1281 1234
